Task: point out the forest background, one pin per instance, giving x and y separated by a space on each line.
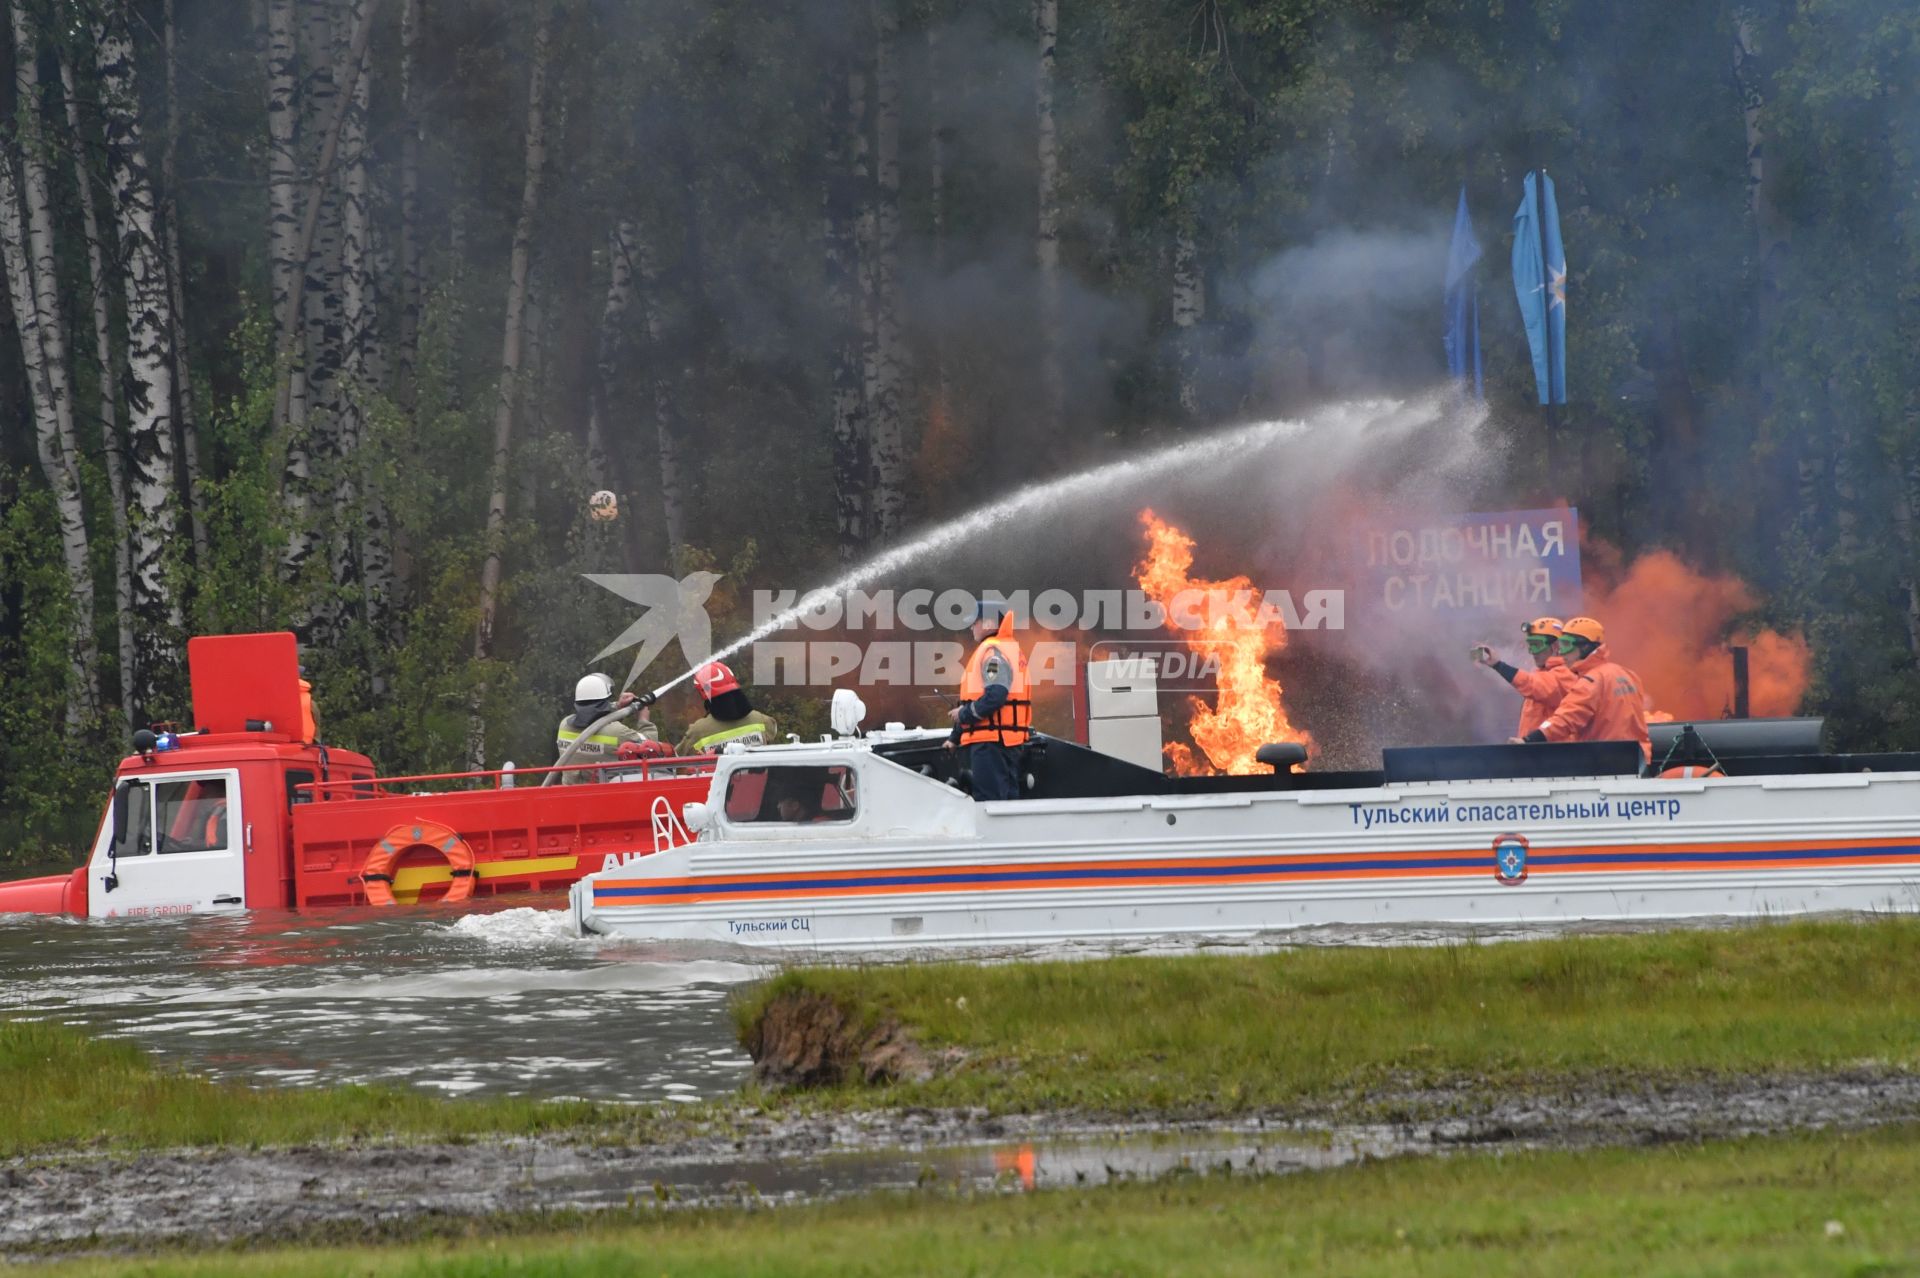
330 313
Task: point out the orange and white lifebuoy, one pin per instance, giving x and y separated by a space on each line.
1692 770
376 876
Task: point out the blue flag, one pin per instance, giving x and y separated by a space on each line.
1540 284
1463 301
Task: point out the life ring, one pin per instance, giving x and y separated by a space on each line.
1691 771
376 876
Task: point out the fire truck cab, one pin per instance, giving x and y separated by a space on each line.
243 813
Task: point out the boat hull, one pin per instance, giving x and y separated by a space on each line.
1473 855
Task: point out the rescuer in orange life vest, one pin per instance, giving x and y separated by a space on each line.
995 716
1607 701
1542 687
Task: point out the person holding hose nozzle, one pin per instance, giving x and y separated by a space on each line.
593 700
730 716
1541 688
1607 701
995 716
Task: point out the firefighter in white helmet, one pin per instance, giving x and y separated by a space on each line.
593 699
730 716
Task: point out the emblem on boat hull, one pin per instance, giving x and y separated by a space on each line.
1510 859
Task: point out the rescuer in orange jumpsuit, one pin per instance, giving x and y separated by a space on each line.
1607 701
995 716
1540 688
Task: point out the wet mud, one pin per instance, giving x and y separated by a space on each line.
120 1202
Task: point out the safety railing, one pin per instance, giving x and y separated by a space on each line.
643 769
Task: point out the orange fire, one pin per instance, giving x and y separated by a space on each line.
1249 711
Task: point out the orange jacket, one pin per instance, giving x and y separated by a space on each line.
1541 692
1606 703
999 666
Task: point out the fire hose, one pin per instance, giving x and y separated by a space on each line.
640 702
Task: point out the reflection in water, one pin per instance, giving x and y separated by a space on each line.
502 1002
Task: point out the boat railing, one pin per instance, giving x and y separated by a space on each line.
507 778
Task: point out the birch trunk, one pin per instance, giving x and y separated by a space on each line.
510 350
183 366
1189 308
149 308
672 506
113 459
612 344
840 208
1046 16
407 357
37 281
356 315
56 463
937 137
866 236
889 428
284 261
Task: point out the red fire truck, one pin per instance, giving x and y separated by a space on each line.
243 813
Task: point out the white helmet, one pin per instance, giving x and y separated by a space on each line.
592 689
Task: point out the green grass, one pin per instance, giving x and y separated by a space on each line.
1739 1208
1226 1034
66 1090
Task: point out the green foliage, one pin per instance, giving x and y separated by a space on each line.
1230 1034
1763 417
73 1091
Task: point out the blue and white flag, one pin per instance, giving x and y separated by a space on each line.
1463 301
1540 284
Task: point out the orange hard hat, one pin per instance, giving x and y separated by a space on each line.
713 679
1542 626
1585 628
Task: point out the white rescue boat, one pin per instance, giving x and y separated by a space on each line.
871 844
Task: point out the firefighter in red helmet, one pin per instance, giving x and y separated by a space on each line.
730 716
1542 687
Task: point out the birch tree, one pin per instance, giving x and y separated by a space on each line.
356 288
150 364
1189 307
1053 385
113 459
660 381
411 272
938 135
840 208
889 428
621 251
35 280
506 400
189 424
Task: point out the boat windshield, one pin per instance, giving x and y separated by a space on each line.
790 795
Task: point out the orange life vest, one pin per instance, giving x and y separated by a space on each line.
1012 723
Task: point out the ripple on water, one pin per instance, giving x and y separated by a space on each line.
461 1005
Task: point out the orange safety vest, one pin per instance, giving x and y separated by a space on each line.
309 733
1012 723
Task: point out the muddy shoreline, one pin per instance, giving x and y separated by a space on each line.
129 1201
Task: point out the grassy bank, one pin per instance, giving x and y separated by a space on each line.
1232 1033
1821 1203
65 1090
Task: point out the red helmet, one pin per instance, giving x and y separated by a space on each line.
713 679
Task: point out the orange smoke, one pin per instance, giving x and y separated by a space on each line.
1248 712
1672 625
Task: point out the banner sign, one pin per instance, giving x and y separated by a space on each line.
1515 561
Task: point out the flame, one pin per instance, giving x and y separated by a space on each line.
1671 623
1249 711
